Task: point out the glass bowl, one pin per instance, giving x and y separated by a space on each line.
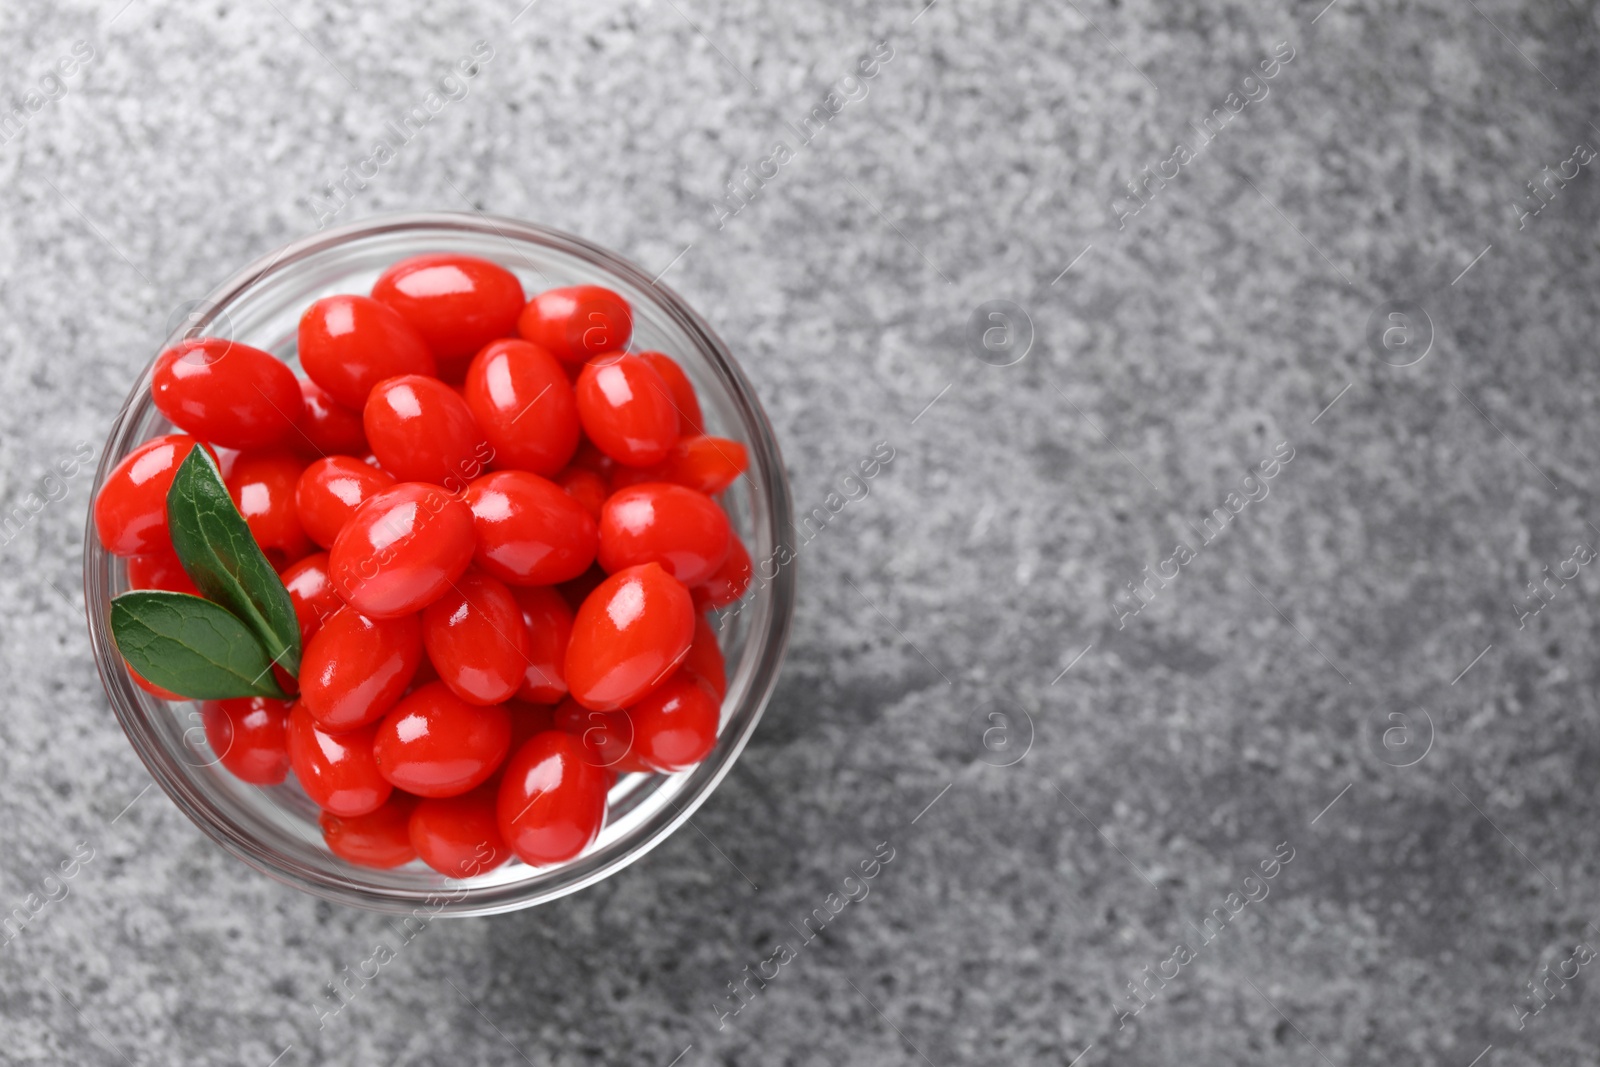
275 829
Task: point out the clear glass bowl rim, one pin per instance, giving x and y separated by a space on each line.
769 629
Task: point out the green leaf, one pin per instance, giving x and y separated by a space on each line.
191 646
215 546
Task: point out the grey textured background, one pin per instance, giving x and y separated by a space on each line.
1253 692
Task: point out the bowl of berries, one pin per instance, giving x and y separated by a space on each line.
435 564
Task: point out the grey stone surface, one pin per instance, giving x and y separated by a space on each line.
1254 690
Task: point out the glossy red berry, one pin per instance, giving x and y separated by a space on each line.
130 513
327 428
337 770
705 464
524 404
626 410
552 800
434 744
586 487
262 485
705 657
629 635
547 619
590 458
380 839
690 421
160 570
578 589
401 550
476 639
460 836
227 393
312 593
354 668
527 720
675 725
529 530
577 322
350 343
421 430
457 303
729 582
607 736
329 492
684 531
250 737
425 674
286 682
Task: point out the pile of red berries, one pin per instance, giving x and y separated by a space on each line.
500 532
